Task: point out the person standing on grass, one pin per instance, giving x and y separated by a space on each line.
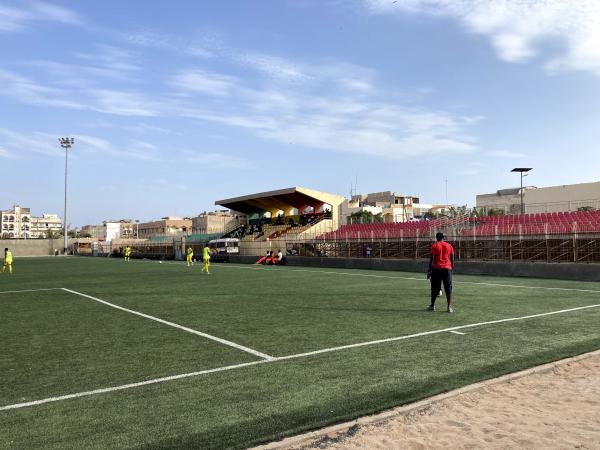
190 257
127 253
206 259
441 264
8 260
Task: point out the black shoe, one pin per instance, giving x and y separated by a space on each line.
431 308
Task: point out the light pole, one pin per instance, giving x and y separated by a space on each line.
66 143
522 170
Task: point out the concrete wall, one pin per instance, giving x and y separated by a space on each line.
564 271
33 247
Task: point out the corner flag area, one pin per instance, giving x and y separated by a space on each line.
97 353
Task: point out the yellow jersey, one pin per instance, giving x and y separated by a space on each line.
8 258
206 253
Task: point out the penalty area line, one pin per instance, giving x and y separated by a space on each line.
283 358
127 386
175 325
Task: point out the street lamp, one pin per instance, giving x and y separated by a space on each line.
522 170
66 143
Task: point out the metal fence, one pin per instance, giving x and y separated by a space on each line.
582 249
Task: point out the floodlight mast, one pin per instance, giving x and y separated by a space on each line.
66 143
522 170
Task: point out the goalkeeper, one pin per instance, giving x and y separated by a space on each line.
441 265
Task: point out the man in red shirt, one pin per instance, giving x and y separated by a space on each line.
441 264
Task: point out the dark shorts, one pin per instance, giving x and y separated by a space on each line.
439 277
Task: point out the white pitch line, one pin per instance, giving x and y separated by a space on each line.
128 386
429 333
289 269
30 290
174 325
457 332
282 358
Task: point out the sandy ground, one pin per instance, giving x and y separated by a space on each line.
558 409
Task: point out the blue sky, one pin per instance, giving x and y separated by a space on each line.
175 105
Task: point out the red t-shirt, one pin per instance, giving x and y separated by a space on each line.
442 251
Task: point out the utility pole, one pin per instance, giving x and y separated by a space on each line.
66 143
522 170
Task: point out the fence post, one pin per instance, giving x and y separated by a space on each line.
417 245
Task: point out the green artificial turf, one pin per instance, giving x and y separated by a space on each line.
57 343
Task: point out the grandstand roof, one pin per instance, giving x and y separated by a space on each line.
281 199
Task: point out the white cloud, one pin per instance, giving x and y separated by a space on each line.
507 154
272 66
29 91
23 144
14 19
519 29
204 82
19 144
124 103
216 160
5 153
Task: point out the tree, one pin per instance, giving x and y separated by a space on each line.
365 217
495 212
430 215
458 211
51 234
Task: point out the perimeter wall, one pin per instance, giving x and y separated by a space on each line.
33 247
562 271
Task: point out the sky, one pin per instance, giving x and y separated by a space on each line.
174 105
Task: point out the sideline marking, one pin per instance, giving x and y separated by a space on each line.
265 361
457 332
30 290
481 283
171 324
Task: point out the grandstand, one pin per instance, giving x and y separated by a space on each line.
397 230
536 224
284 213
578 222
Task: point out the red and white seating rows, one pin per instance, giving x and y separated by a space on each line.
508 225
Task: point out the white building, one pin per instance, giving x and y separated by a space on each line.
15 223
393 207
217 222
18 223
570 197
45 226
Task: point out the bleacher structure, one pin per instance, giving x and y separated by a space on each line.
536 224
547 237
556 223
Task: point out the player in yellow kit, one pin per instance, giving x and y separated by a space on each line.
206 259
127 253
8 260
190 257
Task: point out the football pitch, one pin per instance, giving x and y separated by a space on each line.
97 353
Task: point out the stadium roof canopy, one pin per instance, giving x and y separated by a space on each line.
281 200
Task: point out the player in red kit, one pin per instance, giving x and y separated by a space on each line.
441 264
